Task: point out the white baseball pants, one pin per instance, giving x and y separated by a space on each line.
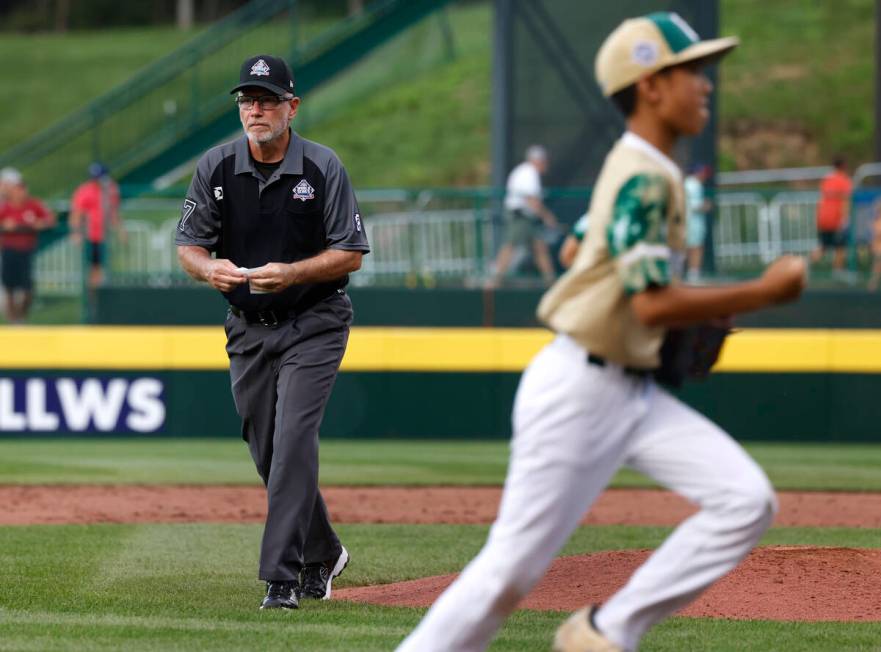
575 425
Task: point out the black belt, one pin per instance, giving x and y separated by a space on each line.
592 358
269 318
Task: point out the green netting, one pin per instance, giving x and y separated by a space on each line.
553 98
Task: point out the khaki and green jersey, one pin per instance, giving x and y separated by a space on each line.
636 240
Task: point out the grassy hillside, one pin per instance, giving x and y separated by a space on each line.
429 128
800 87
46 76
417 113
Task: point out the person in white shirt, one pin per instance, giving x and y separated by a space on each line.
526 215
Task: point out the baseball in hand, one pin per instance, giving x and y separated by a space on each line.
247 271
785 278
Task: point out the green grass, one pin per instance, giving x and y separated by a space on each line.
804 71
369 462
192 587
411 115
96 60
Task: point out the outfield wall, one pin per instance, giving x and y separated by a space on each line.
505 307
785 384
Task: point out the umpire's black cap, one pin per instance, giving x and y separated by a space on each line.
266 71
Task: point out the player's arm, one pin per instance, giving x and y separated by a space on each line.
637 242
573 241
680 305
568 251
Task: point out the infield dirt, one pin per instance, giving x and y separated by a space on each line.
774 583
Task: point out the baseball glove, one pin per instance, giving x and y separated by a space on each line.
690 352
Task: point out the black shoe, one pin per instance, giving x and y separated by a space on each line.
280 595
317 578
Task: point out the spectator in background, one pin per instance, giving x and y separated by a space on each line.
573 241
526 214
5 174
833 213
21 218
875 278
697 207
93 208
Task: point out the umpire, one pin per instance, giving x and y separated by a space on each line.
280 215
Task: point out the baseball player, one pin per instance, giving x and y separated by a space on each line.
281 218
587 404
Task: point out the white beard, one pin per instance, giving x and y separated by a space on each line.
264 137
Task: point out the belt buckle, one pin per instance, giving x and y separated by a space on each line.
268 318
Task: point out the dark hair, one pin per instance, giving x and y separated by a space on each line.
839 162
625 100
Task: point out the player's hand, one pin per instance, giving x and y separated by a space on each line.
785 278
223 275
272 277
76 237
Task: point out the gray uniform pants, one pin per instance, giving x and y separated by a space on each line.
281 381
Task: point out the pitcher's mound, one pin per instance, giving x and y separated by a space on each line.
773 583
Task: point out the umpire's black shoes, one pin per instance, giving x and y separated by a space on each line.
317 578
280 595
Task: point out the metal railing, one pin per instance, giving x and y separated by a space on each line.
436 237
740 232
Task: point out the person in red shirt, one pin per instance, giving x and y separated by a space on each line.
833 213
21 218
93 208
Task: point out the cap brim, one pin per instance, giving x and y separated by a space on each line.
707 51
278 90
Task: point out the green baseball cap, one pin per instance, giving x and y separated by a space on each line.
641 46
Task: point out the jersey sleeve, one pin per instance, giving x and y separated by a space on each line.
200 219
342 218
637 233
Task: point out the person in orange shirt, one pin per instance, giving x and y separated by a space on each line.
94 207
833 213
875 279
21 218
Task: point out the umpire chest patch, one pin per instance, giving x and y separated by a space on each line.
303 191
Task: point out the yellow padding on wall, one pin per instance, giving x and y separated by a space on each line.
112 347
411 349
